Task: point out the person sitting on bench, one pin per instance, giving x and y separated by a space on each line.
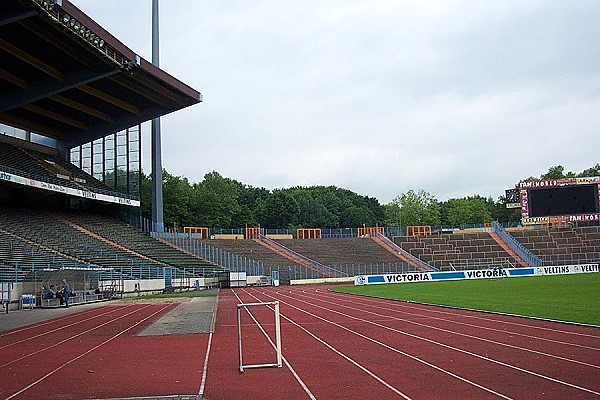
51 294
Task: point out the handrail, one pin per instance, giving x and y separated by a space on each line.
527 256
315 264
405 253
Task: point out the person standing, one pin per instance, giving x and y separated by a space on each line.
66 289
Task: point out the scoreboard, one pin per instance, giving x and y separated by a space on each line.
564 200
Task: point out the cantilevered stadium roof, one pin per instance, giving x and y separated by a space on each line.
63 76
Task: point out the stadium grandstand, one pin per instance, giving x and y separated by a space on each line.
73 101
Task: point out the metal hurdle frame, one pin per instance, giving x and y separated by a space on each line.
277 334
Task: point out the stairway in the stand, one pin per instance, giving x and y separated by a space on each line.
506 248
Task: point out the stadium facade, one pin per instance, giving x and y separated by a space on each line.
73 92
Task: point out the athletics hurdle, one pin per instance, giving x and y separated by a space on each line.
277 334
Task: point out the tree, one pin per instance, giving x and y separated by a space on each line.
177 197
505 215
557 172
354 216
356 210
392 212
312 213
220 202
216 201
593 171
417 208
248 198
146 196
458 212
279 210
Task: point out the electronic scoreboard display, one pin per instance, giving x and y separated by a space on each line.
567 200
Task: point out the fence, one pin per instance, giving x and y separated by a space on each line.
235 263
482 263
571 259
312 264
296 272
191 243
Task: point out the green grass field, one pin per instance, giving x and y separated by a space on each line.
574 298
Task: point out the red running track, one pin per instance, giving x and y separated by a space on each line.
95 354
337 346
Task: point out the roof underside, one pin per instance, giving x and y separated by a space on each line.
65 77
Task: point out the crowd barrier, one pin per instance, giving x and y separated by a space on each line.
491 273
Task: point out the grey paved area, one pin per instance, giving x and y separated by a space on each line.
195 316
192 315
19 318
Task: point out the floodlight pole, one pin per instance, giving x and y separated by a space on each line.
158 224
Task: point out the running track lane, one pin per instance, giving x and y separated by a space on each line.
558 370
95 354
421 351
384 366
224 381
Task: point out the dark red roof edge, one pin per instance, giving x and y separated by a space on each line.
112 41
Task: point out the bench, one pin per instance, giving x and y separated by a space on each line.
74 300
50 303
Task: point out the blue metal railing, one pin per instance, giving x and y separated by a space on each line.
527 256
416 261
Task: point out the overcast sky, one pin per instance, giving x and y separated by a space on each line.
379 97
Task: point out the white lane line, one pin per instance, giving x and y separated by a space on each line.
367 303
361 367
415 358
387 317
72 360
459 350
204 372
69 338
488 318
43 323
56 329
208 347
292 370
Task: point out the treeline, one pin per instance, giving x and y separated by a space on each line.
220 202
